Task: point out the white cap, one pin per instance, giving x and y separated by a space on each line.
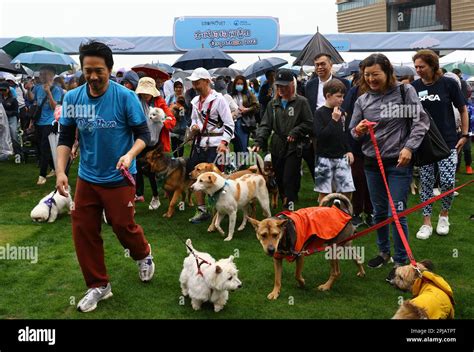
199 73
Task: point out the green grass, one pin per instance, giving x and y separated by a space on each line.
46 289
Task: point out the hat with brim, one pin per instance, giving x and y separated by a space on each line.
147 85
200 73
283 77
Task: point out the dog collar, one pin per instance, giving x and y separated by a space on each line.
214 198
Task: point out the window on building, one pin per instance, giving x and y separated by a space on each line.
419 16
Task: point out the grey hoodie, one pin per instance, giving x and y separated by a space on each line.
391 130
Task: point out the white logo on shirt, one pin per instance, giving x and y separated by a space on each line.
431 97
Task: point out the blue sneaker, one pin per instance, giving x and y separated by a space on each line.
200 216
146 268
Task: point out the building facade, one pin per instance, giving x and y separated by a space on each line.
405 15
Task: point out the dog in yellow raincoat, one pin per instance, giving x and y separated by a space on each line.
432 295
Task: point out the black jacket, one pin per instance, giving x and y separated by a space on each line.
312 89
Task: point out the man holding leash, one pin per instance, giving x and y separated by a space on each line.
112 132
213 127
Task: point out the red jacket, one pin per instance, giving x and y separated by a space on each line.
168 125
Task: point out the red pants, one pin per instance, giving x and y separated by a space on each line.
89 201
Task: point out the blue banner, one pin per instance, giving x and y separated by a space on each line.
226 33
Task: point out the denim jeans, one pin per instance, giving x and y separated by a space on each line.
399 179
241 137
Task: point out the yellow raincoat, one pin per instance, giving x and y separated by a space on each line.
434 295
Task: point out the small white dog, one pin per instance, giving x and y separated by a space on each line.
48 208
156 115
212 282
232 195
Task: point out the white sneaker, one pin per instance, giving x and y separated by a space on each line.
436 192
455 193
51 174
424 232
443 226
154 204
146 267
41 180
93 295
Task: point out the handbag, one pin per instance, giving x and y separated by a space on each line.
35 110
248 123
433 148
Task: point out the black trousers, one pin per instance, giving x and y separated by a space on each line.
140 186
44 149
175 143
288 176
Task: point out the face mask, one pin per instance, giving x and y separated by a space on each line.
239 87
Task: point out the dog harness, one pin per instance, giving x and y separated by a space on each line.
434 295
49 202
308 229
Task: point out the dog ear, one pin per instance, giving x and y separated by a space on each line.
231 259
218 269
428 264
212 178
255 223
281 222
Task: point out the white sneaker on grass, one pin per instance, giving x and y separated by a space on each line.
154 204
443 226
146 267
424 232
93 295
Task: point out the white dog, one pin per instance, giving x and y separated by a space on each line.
48 208
156 115
232 195
212 282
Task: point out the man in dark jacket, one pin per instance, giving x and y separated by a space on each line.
289 117
314 88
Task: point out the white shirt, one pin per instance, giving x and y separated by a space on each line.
220 111
321 99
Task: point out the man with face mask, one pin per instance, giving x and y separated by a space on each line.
290 119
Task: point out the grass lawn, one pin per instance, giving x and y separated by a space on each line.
51 287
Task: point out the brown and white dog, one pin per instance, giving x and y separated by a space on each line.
291 235
232 195
432 295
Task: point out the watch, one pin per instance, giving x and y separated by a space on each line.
465 136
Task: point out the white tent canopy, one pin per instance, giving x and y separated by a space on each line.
458 56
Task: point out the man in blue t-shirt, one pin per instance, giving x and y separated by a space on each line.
112 131
46 96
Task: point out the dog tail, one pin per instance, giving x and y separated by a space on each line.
339 200
260 162
189 246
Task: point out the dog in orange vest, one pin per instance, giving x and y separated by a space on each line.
292 235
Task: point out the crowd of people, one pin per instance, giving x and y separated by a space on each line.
323 120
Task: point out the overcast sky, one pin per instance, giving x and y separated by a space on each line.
81 18
155 18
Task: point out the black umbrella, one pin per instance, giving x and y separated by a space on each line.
317 45
205 57
263 65
348 68
401 71
7 66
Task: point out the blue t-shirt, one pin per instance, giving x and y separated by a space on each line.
47 114
105 132
438 100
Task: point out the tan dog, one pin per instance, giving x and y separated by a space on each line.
432 295
285 236
232 195
210 167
